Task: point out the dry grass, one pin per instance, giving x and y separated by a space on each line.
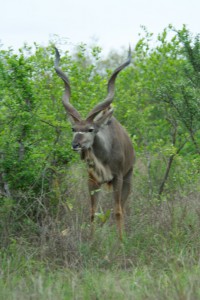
50 254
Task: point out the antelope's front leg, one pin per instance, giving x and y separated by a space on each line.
94 188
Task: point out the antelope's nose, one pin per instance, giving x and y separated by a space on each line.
76 146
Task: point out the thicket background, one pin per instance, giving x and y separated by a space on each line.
45 250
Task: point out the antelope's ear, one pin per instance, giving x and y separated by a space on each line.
104 116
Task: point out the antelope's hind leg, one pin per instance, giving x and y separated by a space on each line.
126 187
117 192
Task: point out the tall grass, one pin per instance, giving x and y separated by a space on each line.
49 254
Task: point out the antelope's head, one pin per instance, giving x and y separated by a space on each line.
84 131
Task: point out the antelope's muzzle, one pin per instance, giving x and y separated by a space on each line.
76 146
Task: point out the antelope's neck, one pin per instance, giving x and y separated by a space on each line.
96 169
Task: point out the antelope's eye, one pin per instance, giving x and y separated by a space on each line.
90 129
73 129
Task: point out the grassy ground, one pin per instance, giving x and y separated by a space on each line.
138 283
54 258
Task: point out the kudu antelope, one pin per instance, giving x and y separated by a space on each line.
103 144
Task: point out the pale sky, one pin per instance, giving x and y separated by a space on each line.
114 23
